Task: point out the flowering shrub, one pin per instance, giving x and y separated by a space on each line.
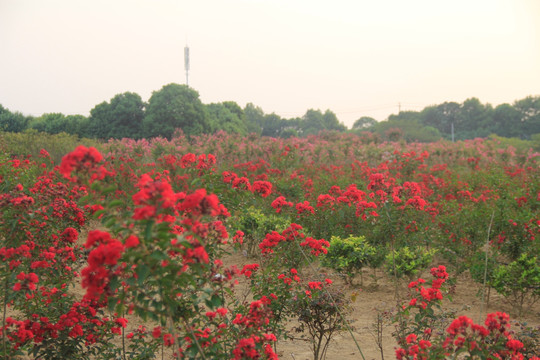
255 225
418 340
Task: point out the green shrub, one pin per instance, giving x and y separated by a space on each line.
30 142
519 281
348 256
408 261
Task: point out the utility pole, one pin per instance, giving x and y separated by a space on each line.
399 107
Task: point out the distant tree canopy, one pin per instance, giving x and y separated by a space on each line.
468 120
177 106
226 116
364 123
12 122
55 123
122 117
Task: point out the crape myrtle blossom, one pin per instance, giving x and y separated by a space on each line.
83 159
279 203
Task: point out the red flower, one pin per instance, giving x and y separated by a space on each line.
187 160
270 241
199 203
238 237
514 345
69 235
121 322
262 187
304 207
206 161
248 269
132 241
107 254
156 333
97 236
229 177
79 159
317 246
279 203
417 202
241 183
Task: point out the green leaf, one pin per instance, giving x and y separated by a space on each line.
217 301
148 231
142 272
115 203
108 190
109 223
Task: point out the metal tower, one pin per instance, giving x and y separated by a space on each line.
186 63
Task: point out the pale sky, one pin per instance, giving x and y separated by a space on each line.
356 58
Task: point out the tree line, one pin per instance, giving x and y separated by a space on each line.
177 106
459 121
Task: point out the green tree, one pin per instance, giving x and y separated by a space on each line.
315 121
476 120
364 123
331 122
519 281
51 123
120 118
13 122
507 121
442 117
529 109
254 117
222 118
348 256
77 125
272 125
235 109
312 122
175 107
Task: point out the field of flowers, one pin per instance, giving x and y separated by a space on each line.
160 218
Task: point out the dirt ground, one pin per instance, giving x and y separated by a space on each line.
366 302
373 298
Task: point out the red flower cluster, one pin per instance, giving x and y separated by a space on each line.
280 202
304 207
429 294
464 334
200 203
105 255
248 269
418 350
264 188
153 195
26 281
83 159
317 246
270 241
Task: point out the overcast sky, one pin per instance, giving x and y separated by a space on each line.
356 58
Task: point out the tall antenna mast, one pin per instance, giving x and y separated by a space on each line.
186 63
